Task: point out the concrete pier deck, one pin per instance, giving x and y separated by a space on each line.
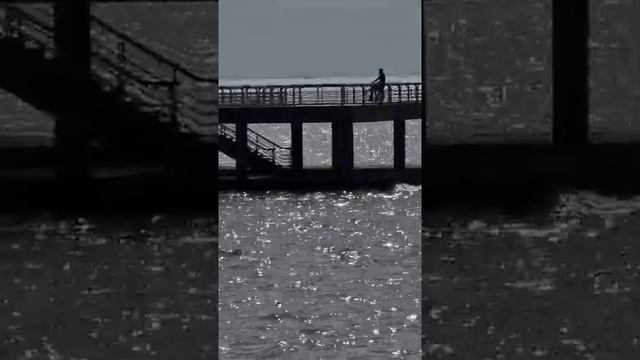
514 173
320 179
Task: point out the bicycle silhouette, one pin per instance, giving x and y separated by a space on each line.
376 94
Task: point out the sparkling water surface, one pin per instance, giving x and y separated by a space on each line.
133 286
332 275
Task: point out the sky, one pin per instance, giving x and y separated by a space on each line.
318 38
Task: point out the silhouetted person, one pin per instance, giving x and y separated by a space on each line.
377 87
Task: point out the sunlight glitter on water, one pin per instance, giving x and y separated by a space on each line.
107 286
325 283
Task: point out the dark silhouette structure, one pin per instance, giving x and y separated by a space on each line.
570 72
342 105
114 101
569 161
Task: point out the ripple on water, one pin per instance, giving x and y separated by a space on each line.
67 295
538 284
325 282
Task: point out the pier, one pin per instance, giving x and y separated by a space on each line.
341 105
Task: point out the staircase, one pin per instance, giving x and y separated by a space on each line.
262 153
141 102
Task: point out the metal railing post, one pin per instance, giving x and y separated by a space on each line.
18 28
174 98
122 59
314 94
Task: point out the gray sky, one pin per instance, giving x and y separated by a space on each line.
295 38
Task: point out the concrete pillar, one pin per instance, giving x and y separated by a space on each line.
73 123
570 72
342 145
241 156
399 144
296 145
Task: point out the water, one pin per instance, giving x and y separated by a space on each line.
130 286
560 282
331 275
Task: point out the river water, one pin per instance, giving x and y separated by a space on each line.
107 286
560 282
332 275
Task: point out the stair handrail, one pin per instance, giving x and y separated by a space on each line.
33 22
196 107
192 112
174 65
155 86
264 147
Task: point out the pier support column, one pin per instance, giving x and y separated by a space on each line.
570 72
399 144
241 156
342 146
296 145
73 124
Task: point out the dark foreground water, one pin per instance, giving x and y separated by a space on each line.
108 287
320 275
560 283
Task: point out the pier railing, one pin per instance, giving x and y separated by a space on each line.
317 95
